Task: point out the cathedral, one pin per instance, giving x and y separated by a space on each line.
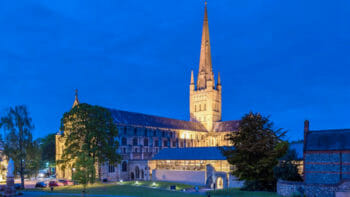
147 142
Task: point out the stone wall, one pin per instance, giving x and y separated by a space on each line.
288 188
189 177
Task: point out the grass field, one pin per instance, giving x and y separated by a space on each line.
148 189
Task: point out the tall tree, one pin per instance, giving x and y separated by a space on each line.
48 150
18 137
255 152
89 129
84 170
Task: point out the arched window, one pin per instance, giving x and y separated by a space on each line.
156 143
124 141
111 168
145 142
124 166
137 172
134 141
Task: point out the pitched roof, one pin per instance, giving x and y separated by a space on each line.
132 118
324 140
231 125
197 153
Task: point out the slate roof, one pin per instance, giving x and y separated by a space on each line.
226 126
132 118
328 140
196 153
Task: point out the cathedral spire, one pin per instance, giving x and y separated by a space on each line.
205 72
219 80
76 100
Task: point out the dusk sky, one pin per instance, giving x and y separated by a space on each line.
286 59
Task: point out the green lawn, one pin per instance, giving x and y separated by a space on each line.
237 192
148 189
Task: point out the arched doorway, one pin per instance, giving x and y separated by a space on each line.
219 183
137 172
132 177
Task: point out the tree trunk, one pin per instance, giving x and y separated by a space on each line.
22 175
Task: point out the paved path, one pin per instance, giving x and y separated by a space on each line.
36 194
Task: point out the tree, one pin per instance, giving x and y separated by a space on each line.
84 169
255 152
33 159
287 170
48 151
18 138
89 129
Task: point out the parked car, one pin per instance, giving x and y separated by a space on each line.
40 184
65 182
53 184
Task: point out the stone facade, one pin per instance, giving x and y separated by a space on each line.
286 188
142 136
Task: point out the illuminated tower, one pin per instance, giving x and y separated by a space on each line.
205 96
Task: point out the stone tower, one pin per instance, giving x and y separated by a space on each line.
205 96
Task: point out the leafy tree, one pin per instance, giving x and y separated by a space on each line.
287 170
91 127
33 159
18 138
84 169
48 150
255 152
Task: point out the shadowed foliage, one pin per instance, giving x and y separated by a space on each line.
257 147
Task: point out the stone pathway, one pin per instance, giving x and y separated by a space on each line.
36 194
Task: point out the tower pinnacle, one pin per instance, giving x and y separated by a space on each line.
76 100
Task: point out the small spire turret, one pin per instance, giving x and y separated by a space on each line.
76 100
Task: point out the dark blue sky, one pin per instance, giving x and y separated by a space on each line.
287 59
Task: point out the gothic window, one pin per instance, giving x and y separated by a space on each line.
111 168
124 141
135 131
137 172
124 166
145 142
134 141
125 130
156 143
